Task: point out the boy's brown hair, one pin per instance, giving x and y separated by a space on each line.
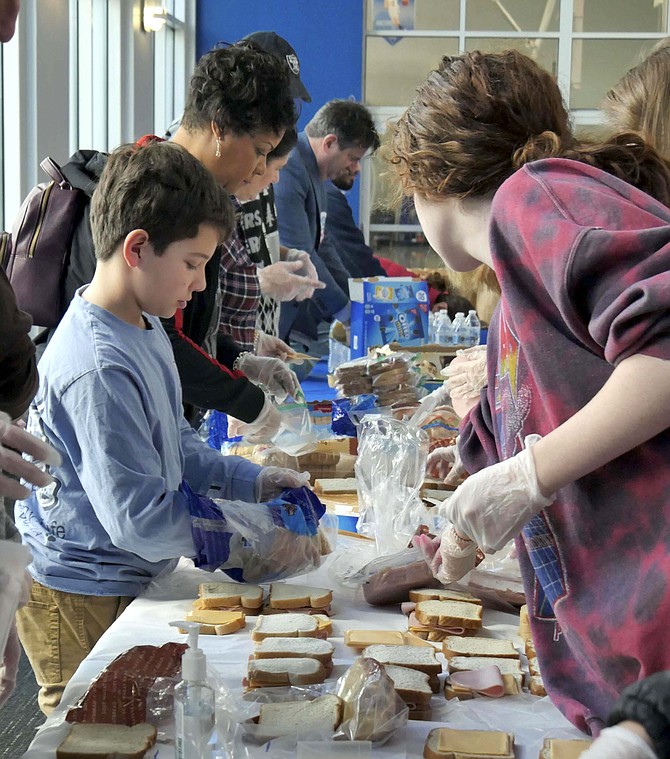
158 187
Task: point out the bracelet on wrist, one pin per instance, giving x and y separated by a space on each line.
236 363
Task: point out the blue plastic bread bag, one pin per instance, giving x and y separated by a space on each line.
347 413
257 542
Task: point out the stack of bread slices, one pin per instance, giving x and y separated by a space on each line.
440 612
298 598
476 654
536 684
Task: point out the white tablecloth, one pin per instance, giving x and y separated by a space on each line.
145 621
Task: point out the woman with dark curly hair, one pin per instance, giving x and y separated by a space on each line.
578 364
238 107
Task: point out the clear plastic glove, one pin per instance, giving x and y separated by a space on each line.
466 374
619 743
264 427
273 479
272 347
308 270
493 505
446 464
283 281
449 556
272 373
13 441
10 665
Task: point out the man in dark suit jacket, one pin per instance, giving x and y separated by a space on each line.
333 144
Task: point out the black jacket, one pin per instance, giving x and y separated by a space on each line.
207 383
647 702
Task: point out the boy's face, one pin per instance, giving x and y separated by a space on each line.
168 281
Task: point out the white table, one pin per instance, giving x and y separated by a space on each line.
145 621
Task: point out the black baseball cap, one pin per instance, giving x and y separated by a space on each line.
271 42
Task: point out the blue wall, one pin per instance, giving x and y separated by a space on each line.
327 36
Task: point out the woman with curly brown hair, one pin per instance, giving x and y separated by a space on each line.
578 364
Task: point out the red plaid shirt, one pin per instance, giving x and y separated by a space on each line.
240 288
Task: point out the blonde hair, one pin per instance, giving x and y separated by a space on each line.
640 101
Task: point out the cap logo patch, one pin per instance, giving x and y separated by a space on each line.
293 63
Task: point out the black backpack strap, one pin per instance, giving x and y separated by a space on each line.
53 171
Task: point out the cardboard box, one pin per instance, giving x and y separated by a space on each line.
385 310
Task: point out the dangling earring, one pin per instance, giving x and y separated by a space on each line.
218 148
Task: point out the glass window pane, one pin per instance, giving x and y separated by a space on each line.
512 15
392 72
407 248
544 51
606 16
424 14
598 65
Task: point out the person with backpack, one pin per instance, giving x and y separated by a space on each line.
237 109
127 498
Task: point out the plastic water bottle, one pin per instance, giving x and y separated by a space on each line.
443 328
458 329
432 323
473 329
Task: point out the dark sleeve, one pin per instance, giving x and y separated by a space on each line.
208 384
334 296
476 443
648 702
18 369
355 254
227 350
329 253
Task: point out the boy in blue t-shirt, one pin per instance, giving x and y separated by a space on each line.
110 403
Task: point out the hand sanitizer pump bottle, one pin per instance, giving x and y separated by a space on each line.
193 701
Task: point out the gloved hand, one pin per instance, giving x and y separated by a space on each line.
449 556
493 505
273 479
272 373
466 374
272 347
264 427
619 743
9 666
14 441
446 463
283 281
307 270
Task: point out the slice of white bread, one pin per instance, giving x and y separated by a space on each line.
285 626
286 596
221 595
524 623
339 485
311 648
457 646
411 685
536 686
323 715
561 748
446 743
414 657
449 614
325 624
96 741
285 671
442 594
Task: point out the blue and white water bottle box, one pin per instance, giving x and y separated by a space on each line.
386 310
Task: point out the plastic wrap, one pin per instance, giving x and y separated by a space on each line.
348 413
258 542
373 711
394 380
296 433
390 469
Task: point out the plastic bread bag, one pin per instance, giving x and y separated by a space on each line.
388 579
347 413
296 433
497 580
257 542
390 469
373 711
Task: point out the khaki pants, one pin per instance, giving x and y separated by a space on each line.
58 630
